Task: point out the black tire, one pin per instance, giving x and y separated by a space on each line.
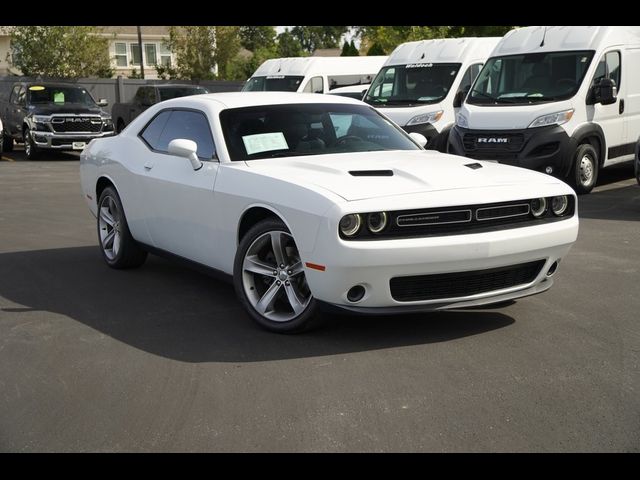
120 126
307 319
636 164
7 142
584 171
31 150
129 254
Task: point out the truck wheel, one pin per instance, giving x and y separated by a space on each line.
584 172
7 142
30 149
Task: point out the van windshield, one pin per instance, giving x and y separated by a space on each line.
530 78
415 83
275 83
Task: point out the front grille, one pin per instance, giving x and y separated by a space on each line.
495 142
463 284
76 124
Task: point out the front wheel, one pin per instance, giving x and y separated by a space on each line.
637 164
118 247
270 281
30 148
584 172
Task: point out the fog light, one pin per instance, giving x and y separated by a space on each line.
538 207
549 170
356 293
552 269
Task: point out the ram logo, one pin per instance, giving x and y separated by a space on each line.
492 140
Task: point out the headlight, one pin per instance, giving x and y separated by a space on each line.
431 117
559 205
377 221
41 118
552 119
350 224
538 207
461 121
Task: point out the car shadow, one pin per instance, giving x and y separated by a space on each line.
172 311
18 155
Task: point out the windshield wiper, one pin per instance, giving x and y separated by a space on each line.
491 97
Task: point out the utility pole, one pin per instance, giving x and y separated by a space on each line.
141 50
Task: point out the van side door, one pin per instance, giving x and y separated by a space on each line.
609 117
631 74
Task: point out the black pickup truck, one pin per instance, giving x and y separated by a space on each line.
148 95
52 116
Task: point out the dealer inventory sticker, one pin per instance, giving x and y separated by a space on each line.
264 142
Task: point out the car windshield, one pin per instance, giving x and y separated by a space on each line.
530 78
275 83
415 83
167 93
60 95
308 129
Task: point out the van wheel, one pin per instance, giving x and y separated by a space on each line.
584 173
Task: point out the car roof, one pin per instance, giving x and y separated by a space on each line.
249 99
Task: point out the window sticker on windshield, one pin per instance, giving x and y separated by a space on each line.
36 88
274 77
58 97
419 65
264 142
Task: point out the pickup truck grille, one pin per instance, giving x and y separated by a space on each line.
76 124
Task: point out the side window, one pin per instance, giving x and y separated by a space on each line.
315 85
22 97
14 94
172 124
144 96
613 67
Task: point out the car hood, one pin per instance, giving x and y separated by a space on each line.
365 175
77 108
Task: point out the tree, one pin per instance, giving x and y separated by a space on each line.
202 49
312 38
255 37
288 45
60 51
349 50
376 49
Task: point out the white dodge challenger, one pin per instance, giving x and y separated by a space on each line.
314 200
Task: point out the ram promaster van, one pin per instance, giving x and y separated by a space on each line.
422 84
313 74
561 100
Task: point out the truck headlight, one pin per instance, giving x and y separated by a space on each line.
461 121
557 118
430 117
40 122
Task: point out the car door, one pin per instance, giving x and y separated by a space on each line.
181 214
610 117
13 111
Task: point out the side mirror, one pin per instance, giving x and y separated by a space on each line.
606 92
459 98
419 139
182 147
103 102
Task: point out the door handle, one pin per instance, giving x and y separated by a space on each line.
621 108
148 165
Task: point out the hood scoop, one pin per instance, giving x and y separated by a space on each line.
371 173
473 166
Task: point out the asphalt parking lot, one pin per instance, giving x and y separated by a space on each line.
163 358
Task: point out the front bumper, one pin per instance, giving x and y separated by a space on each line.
64 141
374 264
532 148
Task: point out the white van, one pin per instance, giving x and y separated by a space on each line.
562 100
313 74
422 84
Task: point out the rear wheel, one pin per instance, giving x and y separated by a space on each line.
584 172
270 281
30 148
118 247
7 142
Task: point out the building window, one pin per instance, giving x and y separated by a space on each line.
150 56
165 55
135 54
121 54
